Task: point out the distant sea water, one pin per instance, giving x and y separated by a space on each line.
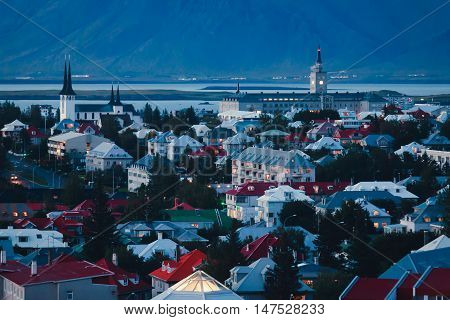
408 89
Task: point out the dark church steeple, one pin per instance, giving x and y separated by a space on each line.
118 103
319 56
64 88
67 86
111 100
238 89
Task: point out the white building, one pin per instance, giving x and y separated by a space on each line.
13 129
389 186
160 143
200 131
318 77
273 200
441 157
140 172
105 156
164 247
73 142
412 148
70 110
33 238
178 146
268 165
327 143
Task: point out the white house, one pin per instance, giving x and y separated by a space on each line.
413 148
200 131
33 238
13 129
273 200
389 186
164 247
105 156
140 172
327 143
160 143
178 146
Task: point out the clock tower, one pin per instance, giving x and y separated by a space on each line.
318 77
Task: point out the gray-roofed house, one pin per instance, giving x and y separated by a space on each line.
107 155
269 165
248 281
428 215
160 143
437 142
237 143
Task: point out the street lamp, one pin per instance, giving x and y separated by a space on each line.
285 220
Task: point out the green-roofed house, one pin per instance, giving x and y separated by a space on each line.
199 218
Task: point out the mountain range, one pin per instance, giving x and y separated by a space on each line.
257 39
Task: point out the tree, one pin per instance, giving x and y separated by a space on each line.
100 225
197 195
353 219
73 192
329 286
156 119
282 281
110 128
147 114
305 215
445 129
36 119
328 242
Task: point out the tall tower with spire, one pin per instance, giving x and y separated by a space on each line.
67 96
318 77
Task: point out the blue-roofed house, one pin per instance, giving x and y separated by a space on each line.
160 143
437 142
335 201
64 126
417 262
383 141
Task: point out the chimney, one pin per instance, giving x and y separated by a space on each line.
115 260
33 268
160 235
2 257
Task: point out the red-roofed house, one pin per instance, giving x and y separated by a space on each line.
181 205
35 135
34 223
173 271
259 248
65 279
433 284
89 128
419 114
129 285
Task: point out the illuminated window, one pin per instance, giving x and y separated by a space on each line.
427 219
25 214
15 214
321 82
375 212
376 225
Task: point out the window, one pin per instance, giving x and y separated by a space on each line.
376 225
92 115
23 239
39 236
69 295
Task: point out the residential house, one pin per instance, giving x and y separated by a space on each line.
13 129
217 135
389 186
200 131
324 129
162 247
382 141
249 281
64 279
173 271
160 143
140 172
198 286
437 142
259 248
30 239
441 157
35 135
89 127
268 165
73 145
237 143
378 216
181 145
414 149
428 215
326 143
273 200
65 125
12 211
106 156
129 285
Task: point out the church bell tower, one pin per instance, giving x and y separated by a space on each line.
67 96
